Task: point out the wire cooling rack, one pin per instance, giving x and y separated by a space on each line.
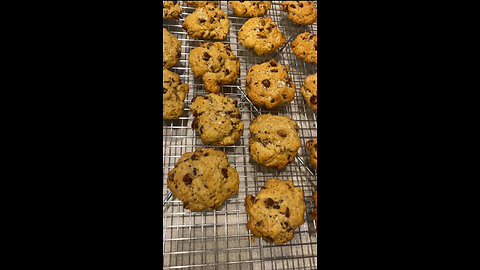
219 239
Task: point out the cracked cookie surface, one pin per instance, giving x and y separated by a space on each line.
216 64
201 3
217 119
250 9
262 35
171 49
203 179
171 10
309 91
312 148
276 211
269 84
305 47
174 93
207 22
274 140
300 12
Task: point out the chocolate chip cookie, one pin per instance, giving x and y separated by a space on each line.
276 211
171 9
207 22
201 3
262 35
174 92
300 12
217 119
203 179
305 47
314 213
274 140
269 84
250 8
312 148
216 64
309 91
171 49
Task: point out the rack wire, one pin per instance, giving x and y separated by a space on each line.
219 239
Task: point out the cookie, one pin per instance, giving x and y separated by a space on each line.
203 179
250 9
314 212
171 49
269 84
207 22
171 10
300 12
216 64
217 119
174 92
201 3
305 47
312 148
274 140
262 35
309 91
276 211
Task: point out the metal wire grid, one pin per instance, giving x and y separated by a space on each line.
219 239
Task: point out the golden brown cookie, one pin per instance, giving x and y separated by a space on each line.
300 12
312 148
309 91
174 93
203 179
269 84
274 140
207 22
305 47
171 49
171 10
250 9
276 211
262 35
216 64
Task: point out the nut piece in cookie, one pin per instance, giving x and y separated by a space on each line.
217 119
262 35
300 12
314 212
250 9
203 179
309 91
305 47
312 148
171 49
269 84
274 140
201 3
216 64
174 92
276 211
207 22
171 9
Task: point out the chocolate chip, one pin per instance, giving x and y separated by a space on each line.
222 17
281 134
315 145
194 171
227 71
313 100
263 188
235 102
206 155
238 116
274 70
219 59
171 176
187 179
292 6
252 199
269 202
213 35
174 2
259 223
285 225
201 130
273 64
212 20
284 96
287 213
268 238
266 83
276 206
164 90
225 173
195 123
185 204
205 186
273 100
194 157
201 20
206 56
315 47
193 99
300 5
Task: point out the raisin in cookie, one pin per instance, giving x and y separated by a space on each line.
262 35
203 179
171 49
314 213
250 9
216 64
171 10
276 211
201 3
207 22
274 140
269 84
217 119
312 148
305 47
309 91
174 93
300 12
